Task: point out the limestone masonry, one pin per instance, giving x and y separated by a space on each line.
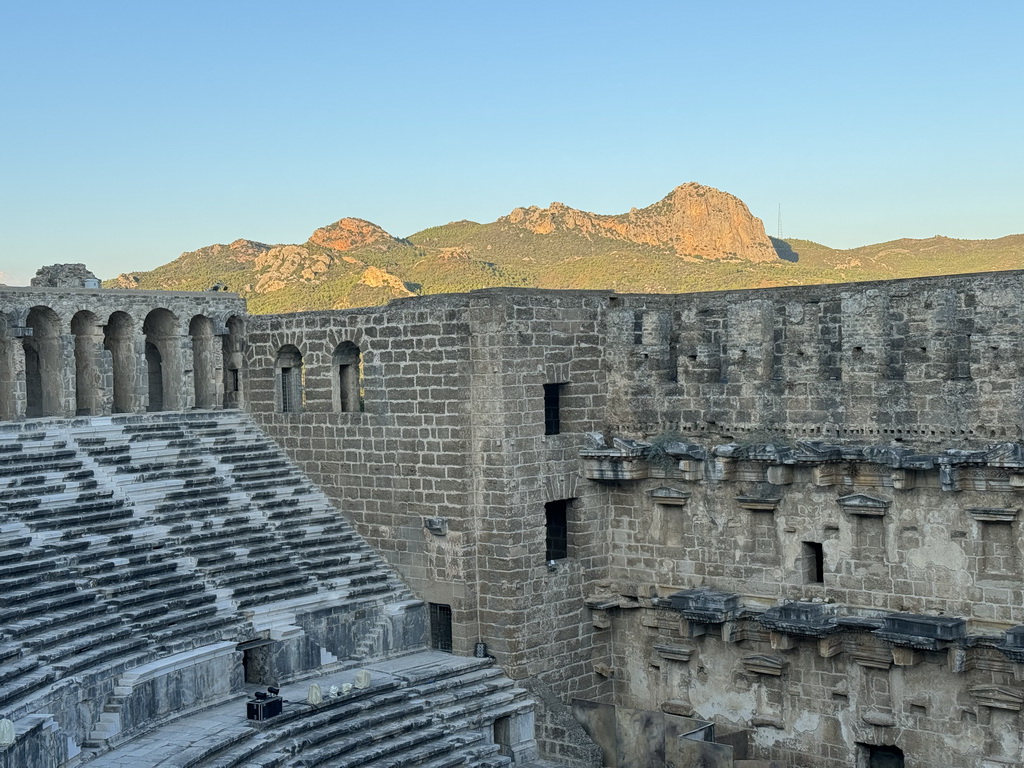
759 528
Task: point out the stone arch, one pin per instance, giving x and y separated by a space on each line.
347 378
119 341
200 328
8 372
231 351
43 370
289 379
88 337
163 360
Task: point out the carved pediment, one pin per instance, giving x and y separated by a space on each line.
994 514
867 653
757 504
997 697
670 496
1005 455
760 664
862 504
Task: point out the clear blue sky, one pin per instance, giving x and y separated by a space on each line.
133 131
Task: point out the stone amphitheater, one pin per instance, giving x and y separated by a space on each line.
752 529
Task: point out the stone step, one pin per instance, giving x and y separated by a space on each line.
275 595
14 669
127 648
24 685
55 618
84 643
67 631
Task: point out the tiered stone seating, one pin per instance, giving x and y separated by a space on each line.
321 541
173 482
148 542
53 621
418 711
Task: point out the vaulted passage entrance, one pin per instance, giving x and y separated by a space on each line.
163 343
42 364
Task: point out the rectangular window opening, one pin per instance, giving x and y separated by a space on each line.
287 400
552 409
234 380
814 562
441 627
557 528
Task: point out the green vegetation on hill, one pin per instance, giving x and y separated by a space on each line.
354 263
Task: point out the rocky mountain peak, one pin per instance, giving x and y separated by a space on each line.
693 220
349 233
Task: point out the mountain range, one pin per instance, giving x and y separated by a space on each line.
697 238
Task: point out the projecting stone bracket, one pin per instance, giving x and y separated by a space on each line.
436 525
681 653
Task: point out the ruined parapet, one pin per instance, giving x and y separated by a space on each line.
705 606
65 276
802 618
929 633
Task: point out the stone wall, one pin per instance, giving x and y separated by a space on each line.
851 447
447 468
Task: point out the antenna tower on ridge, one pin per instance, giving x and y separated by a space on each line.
780 221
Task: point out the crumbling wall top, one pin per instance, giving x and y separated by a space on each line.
65 276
